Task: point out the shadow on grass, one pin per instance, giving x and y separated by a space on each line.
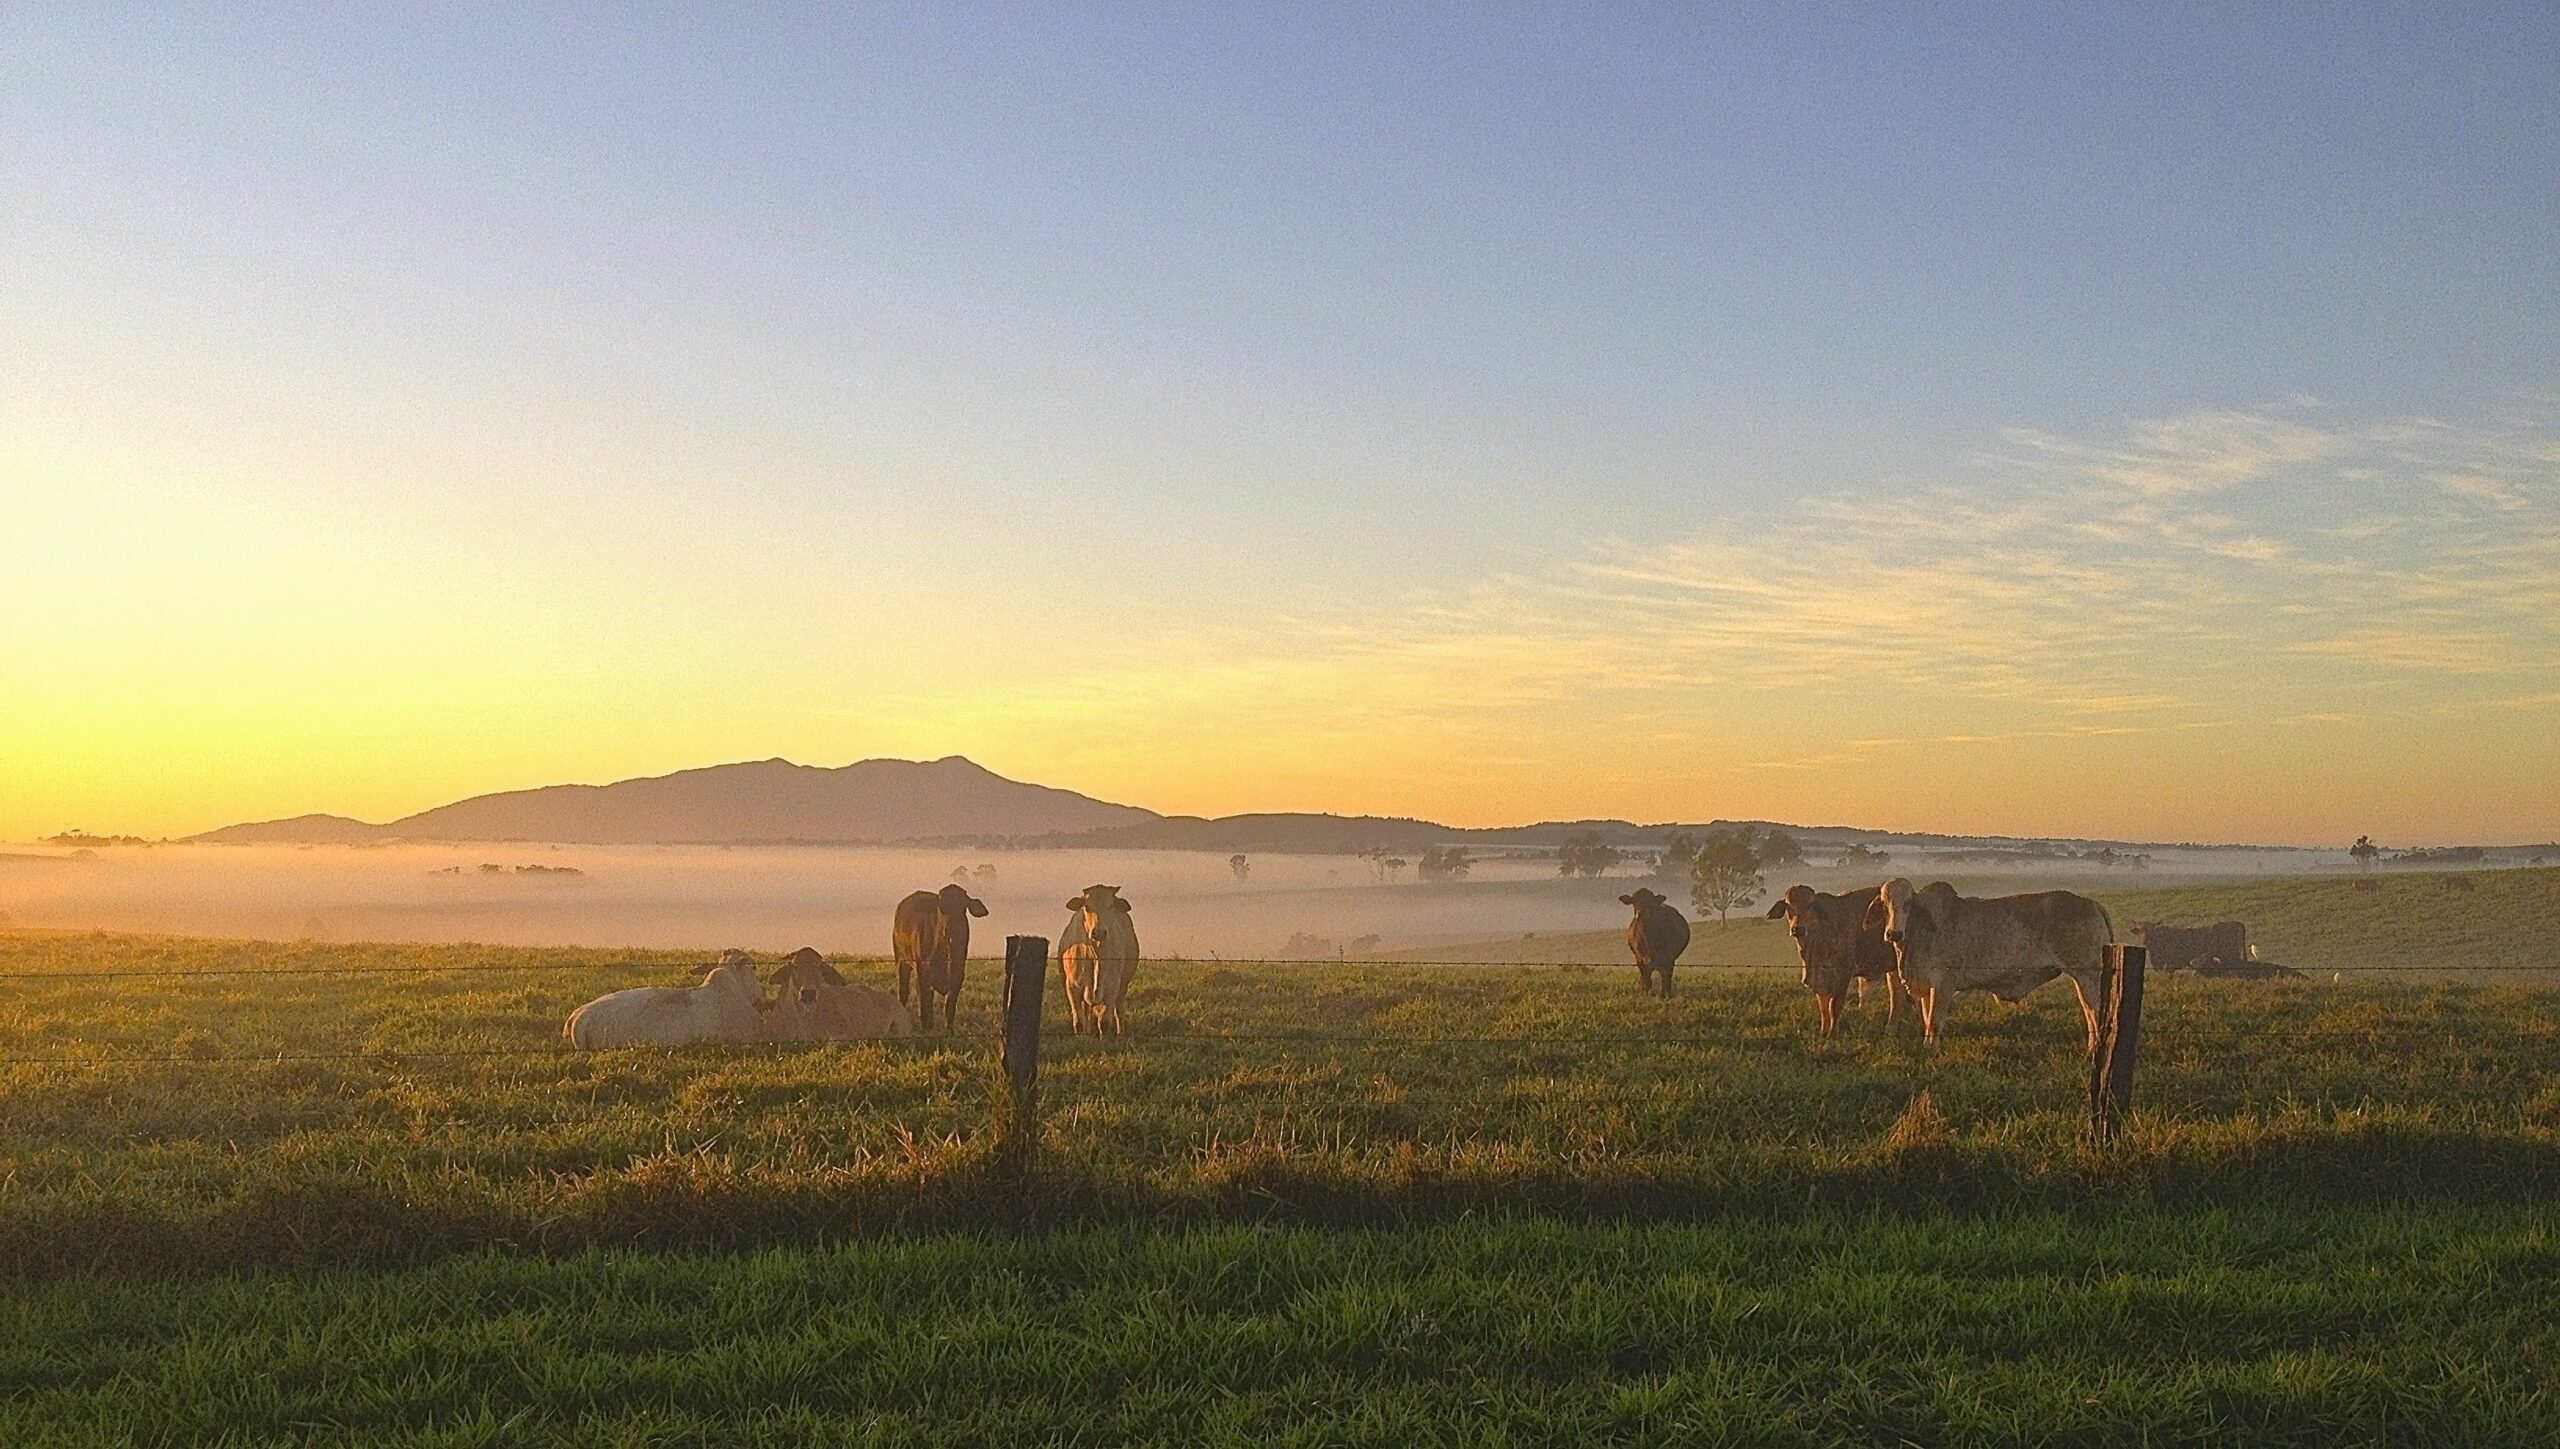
703 1202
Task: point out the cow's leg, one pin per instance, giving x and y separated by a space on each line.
1644 977
2088 993
1893 988
1827 1009
906 975
1927 996
1666 982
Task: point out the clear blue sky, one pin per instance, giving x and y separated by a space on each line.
1308 310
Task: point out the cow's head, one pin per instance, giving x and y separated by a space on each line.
803 973
957 902
736 977
1641 899
1098 905
1801 909
1911 918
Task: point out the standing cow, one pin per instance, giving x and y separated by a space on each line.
1657 934
1098 954
931 939
1839 946
2006 945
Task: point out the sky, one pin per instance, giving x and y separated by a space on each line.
2131 421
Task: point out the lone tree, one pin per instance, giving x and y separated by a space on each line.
1863 856
1241 866
1727 873
1584 854
1678 855
2364 852
1780 851
1445 862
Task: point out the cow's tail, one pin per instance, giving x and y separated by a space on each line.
2106 920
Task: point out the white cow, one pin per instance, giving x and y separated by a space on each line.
1098 954
2006 945
814 1003
729 1005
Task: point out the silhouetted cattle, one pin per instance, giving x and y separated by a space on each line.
1839 945
2006 945
930 936
1657 935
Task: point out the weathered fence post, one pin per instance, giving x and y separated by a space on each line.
2119 1041
1026 974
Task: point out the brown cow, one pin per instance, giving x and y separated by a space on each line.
931 938
813 1002
2006 945
1657 934
1839 946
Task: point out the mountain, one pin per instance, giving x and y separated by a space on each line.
763 802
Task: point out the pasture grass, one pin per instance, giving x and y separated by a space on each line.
272 1118
2124 1326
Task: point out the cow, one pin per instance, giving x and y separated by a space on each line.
2177 948
1097 954
930 937
815 1003
729 1005
1657 934
1839 946
2006 945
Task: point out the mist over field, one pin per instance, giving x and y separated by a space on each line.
840 899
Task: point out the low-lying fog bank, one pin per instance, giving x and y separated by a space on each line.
840 899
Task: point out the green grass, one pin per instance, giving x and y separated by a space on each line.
2510 919
1317 1204
2140 1326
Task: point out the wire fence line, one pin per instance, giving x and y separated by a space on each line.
2161 1035
994 963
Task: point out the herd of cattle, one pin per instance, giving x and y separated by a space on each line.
811 1001
1928 943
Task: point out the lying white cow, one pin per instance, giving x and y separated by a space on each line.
813 1002
1098 953
2006 945
729 1005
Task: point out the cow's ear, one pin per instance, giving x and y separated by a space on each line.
1777 908
1626 900
1875 917
832 975
1077 904
1119 905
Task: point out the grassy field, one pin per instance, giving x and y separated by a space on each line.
2408 921
282 1199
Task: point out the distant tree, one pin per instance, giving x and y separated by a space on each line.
1395 867
1585 854
986 873
1241 866
1727 873
1780 851
1362 947
1862 856
960 873
1678 855
2364 852
1445 862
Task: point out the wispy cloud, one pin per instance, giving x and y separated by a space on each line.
2218 571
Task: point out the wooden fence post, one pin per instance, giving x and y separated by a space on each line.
1026 975
2119 1042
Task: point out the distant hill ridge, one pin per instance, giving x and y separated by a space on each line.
949 801
757 802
